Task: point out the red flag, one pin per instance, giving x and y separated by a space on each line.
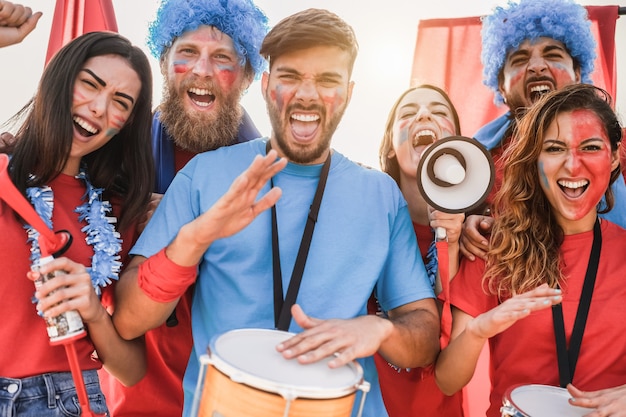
73 18
447 54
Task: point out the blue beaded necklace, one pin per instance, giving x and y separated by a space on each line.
100 231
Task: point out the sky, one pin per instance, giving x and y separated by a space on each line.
386 32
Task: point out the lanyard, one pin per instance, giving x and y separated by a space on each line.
567 358
282 308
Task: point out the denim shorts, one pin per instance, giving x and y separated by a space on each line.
49 395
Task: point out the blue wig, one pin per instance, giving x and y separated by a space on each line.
507 28
244 22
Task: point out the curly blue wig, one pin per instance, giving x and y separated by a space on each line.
243 21
507 28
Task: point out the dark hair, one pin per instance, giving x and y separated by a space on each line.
390 164
307 29
123 167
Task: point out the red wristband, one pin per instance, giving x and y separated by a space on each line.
164 281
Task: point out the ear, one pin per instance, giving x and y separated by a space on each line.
265 80
349 95
391 153
615 160
577 76
247 81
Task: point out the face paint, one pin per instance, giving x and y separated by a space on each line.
105 92
226 75
203 68
112 132
307 92
180 67
422 117
575 165
118 122
534 68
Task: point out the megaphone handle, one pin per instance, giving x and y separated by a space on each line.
440 233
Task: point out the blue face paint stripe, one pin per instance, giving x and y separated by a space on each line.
542 174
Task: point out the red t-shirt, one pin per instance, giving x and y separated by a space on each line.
26 349
526 352
414 392
160 392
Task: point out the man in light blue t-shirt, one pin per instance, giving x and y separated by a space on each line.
246 257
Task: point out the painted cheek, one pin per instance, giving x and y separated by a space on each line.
112 132
78 95
118 123
447 127
180 67
515 77
562 74
335 100
403 134
226 75
543 176
280 96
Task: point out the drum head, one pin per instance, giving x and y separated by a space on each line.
543 401
249 356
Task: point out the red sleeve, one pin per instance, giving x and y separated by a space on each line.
164 281
466 289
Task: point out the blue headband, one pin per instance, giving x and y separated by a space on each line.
507 28
244 22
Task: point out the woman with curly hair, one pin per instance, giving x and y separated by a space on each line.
547 244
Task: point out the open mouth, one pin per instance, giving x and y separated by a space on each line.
424 137
201 96
537 91
84 129
304 125
573 189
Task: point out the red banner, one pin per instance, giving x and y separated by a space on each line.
73 18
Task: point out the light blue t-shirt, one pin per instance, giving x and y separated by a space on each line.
363 241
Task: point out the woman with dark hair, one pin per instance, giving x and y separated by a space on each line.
421 116
548 248
82 158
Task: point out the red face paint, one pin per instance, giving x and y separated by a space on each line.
180 67
575 166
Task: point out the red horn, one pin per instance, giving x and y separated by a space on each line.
50 243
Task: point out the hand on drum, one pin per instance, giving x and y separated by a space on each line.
500 318
347 339
606 402
68 291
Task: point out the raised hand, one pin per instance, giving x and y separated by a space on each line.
503 316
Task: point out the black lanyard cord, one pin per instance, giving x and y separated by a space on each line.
282 308
567 358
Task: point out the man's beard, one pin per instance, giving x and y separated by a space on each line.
197 131
294 154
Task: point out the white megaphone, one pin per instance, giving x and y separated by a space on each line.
455 175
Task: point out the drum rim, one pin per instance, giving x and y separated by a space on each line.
508 400
283 389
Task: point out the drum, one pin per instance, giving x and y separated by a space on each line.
243 375
539 401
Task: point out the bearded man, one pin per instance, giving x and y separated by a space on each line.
209 55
